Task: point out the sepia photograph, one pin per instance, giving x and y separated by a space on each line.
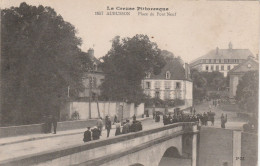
129 83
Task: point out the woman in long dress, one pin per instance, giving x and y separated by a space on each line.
118 128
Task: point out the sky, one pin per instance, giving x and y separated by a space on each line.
197 28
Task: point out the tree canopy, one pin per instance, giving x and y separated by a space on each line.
126 64
247 92
40 59
199 85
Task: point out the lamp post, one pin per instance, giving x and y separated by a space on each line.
90 95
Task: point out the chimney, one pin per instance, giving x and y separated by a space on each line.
187 71
230 46
217 50
91 52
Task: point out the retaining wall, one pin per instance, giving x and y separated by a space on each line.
38 128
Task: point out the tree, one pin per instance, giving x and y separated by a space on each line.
169 56
40 60
126 64
199 85
215 80
247 92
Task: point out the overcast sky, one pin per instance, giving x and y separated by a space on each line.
198 26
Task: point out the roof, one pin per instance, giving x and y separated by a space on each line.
177 72
226 54
243 67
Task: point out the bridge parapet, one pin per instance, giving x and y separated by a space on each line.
102 151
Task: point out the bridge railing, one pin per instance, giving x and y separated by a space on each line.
98 152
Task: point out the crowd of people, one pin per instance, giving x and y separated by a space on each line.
168 118
121 128
180 117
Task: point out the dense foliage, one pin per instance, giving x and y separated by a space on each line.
247 92
199 85
126 64
40 59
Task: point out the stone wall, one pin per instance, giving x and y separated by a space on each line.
38 128
121 109
217 146
249 152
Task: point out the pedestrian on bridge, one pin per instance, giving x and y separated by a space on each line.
115 119
134 118
95 133
87 135
126 127
118 128
108 126
100 125
223 121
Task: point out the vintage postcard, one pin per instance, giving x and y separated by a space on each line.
129 83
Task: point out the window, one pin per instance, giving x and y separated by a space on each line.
215 60
147 85
207 67
148 75
157 85
222 67
178 95
217 68
93 82
157 94
167 94
178 85
212 67
167 84
210 61
168 75
228 67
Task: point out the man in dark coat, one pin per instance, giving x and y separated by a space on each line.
134 118
108 126
223 121
115 119
87 135
95 133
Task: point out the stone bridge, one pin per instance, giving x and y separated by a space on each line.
146 147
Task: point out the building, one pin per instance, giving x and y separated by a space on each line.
237 73
172 83
222 60
94 78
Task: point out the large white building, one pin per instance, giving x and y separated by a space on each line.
222 60
172 83
93 79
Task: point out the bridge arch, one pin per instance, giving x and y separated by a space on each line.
172 152
172 156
